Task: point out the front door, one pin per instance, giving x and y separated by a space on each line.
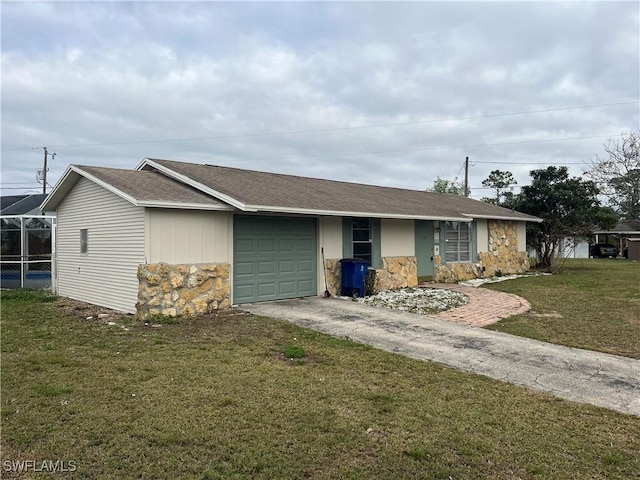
424 249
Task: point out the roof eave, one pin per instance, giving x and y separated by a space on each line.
51 202
185 205
341 213
504 217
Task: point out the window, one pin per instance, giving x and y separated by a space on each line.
457 242
84 240
361 238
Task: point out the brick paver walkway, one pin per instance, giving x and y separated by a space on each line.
485 306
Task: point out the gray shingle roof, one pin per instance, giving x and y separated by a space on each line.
148 186
624 226
272 191
21 204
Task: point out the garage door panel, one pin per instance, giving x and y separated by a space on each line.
244 291
287 245
245 268
266 245
286 266
268 267
274 257
287 287
306 245
267 290
245 246
305 266
307 287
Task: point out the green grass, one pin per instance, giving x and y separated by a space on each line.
214 397
592 304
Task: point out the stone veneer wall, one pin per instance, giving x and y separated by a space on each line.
396 272
334 276
503 257
455 272
184 289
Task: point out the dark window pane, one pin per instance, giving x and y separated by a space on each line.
361 235
362 250
362 223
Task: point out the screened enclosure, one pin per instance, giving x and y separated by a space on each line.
27 256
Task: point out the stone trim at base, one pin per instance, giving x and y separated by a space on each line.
396 272
183 289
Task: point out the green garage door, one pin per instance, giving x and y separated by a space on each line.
274 258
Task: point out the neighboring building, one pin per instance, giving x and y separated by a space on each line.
176 238
22 204
622 232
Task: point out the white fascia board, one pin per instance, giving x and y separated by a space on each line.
505 217
185 206
54 193
189 181
336 213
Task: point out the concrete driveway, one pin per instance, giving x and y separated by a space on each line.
580 375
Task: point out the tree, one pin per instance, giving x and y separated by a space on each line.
618 174
442 185
498 181
567 206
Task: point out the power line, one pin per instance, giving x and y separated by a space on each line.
440 147
334 129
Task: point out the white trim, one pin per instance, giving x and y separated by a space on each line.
186 206
189 181
504 217
339 213
57 186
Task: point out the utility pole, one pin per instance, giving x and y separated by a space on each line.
466 177
44 172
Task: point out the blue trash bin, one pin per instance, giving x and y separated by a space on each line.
354 274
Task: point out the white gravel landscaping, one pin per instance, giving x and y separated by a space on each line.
417 300
476 282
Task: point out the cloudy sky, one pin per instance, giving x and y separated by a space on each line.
385 93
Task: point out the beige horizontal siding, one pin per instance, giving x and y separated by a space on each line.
188 236
398 238
107 274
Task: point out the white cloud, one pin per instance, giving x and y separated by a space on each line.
102 73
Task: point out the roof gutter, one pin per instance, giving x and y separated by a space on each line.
340 213
505 217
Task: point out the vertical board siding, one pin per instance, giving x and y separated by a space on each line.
188 236
107 274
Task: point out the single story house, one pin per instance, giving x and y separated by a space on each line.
172 238
623 232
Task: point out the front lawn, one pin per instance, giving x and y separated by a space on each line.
216 397
591 303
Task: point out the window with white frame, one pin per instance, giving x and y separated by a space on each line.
362 239
457 237
84 241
